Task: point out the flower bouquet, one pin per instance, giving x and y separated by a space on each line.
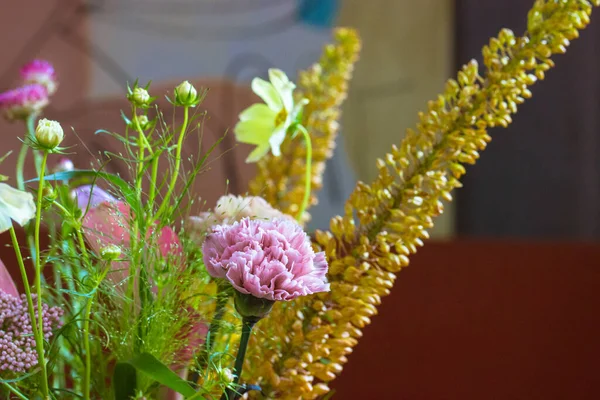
131 297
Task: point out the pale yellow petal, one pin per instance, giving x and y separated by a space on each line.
267 92
5 223
277 139
258 111
258 153
254 132
283 86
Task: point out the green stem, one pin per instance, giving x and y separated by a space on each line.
20 167
38 270
20 173
247 325
86 336
175 174
14 391
308 172
37 333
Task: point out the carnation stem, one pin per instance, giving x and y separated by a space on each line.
247 325
308 172
38 276
175 173
38 334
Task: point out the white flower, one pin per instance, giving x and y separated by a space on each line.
15 205
228 210
48 133
266 125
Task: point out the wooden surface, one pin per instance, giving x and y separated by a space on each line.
485 320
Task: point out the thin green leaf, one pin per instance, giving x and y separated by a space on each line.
124 381
153 368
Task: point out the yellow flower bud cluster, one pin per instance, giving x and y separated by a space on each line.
302 346
280 180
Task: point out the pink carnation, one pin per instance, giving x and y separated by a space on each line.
272 260
24 101
41 72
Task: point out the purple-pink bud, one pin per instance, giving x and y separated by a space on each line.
24 101
40 72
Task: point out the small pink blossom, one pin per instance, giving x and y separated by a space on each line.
24 101
271 260
7 284
40 72
228 210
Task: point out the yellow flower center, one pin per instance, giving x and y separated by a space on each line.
281 117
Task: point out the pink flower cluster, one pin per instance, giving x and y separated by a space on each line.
271 260
17 344
40 82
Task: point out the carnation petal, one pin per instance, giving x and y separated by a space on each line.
266 259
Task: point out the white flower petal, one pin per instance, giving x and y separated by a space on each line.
285 88
258 153
16 205
254 132
5 223
267 92
258 111
277 139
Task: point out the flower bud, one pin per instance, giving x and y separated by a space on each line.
186 94
40 72
226 375
140 97
143 121
110 252
48 134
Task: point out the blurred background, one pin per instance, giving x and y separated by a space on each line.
502 303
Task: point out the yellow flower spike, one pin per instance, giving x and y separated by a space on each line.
426 165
